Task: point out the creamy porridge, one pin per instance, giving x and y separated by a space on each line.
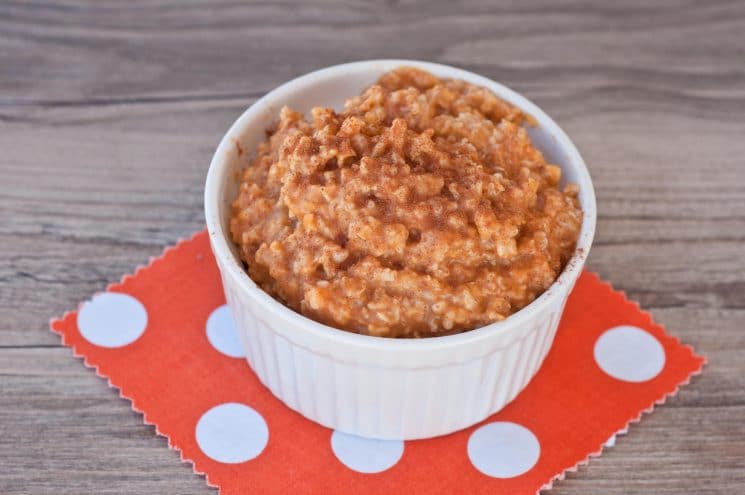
422 209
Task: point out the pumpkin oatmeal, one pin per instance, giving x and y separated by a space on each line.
422 209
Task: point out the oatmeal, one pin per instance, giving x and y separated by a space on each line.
422 209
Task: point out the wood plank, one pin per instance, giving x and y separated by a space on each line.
82 51
65 408
96 226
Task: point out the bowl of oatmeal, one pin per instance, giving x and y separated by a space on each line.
397 240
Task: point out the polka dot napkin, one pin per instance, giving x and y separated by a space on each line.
166 340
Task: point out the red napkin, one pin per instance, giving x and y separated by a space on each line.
164 338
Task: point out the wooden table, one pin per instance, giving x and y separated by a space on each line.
109 114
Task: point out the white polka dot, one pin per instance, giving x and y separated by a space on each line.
232 433
611 442
366 455
503 449
222 334
112 319
629 354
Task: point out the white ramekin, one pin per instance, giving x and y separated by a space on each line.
371 386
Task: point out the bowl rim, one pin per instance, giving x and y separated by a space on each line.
272 101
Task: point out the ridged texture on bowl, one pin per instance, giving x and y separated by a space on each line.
387 402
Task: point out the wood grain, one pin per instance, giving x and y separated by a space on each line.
110 111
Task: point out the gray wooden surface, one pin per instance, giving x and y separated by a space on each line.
109 113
